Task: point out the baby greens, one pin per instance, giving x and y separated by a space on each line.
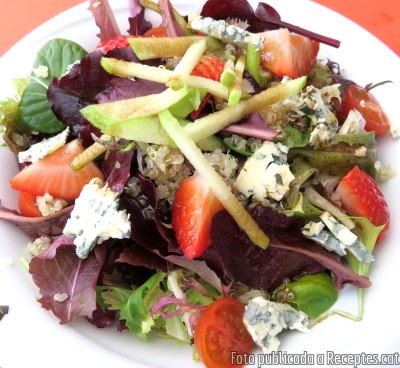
52 61
312 294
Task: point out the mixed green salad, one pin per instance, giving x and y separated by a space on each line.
209 178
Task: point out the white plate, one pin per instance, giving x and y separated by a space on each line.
30 336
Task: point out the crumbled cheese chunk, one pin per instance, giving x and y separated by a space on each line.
41 71
48 205
265 319
354 123
266 174
384 173
225 31
315 232
347 238
60 297
360 151
95 218
395 130
38 245
48 145
323 120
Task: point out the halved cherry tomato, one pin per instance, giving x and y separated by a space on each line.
220 331
27 205
155 32
288 54
361 99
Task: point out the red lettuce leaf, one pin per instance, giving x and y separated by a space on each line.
137 255
102 318
35 227
169 22
253 126
117 168
137 23
288 255
265 11
123 88
222 9
87 82
104 18
59 270
265 18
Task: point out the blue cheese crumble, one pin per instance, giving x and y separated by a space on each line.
266 174
95 218
323 120
347 238
265 319
315 232
224 31
48 145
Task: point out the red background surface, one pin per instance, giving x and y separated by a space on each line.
379 17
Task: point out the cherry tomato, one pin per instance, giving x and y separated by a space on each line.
155 32
27 205
220 331
361 99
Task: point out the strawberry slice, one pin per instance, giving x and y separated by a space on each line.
53 174
360 195
27 205
192 211
113 43
288 54
210 67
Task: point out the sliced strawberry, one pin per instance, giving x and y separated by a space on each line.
360 195
53 174
288 54
27 205
113 43
210 67
193 208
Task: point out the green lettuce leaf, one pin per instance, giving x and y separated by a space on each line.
53 60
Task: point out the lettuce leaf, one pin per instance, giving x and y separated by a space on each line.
289 254
58 270
134 305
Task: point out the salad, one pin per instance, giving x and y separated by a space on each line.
122 220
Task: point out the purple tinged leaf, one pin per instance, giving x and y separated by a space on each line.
88 82
222 9
169 22
254 126
288 255
137 255
117 169
35 227
104 18
181 305
123 88
59 271
102 319
137 22
265 18
200 267
264 10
